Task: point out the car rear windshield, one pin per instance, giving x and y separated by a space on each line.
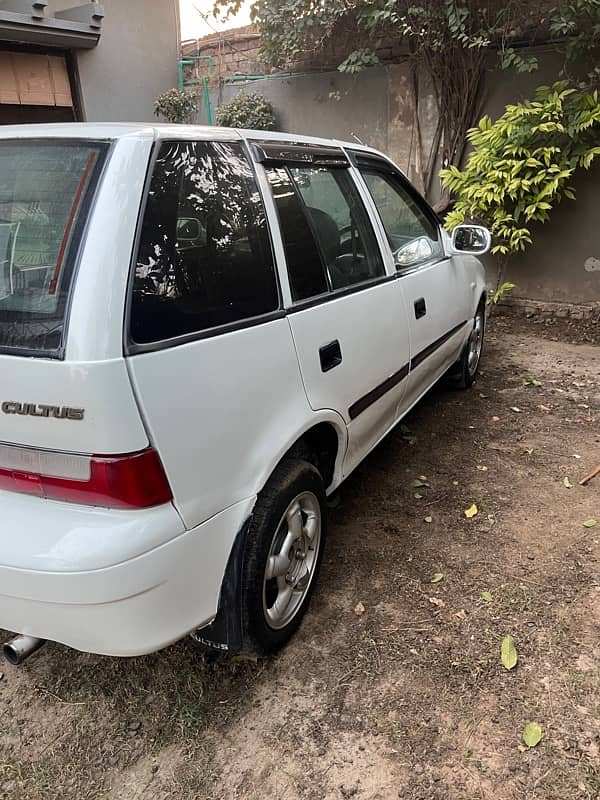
45 192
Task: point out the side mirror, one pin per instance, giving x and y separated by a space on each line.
188 229
473 239
414 252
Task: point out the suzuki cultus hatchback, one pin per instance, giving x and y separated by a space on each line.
202 333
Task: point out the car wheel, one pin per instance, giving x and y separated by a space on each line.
464 372
283 555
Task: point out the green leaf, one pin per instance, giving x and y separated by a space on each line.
567 483
487 596
439 576
532 734
590 523
508 653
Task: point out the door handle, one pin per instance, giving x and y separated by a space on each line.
420 308
330 355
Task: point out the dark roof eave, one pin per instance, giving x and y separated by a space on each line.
47 31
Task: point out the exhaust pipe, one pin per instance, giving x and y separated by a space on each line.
21 647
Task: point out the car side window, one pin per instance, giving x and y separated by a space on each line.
204 257
305 269
412 235
341 225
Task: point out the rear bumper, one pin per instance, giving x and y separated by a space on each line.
136 606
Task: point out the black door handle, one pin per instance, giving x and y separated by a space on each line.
330 355
420 308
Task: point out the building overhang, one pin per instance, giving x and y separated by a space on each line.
26 22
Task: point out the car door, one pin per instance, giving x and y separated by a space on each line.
435 286
342 305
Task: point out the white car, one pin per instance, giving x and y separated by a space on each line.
202 333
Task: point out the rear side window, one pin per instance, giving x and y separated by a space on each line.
204 257
45 191
342 227
329 241
305 268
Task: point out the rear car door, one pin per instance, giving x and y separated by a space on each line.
435 286
344 307
210 352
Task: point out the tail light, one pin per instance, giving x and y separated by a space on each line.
134 480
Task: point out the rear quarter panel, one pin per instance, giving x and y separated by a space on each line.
222 411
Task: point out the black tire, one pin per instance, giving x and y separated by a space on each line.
464 373
293 478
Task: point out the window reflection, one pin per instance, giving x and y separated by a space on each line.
205 257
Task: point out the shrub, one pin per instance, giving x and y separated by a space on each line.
521 165
247 111
176 105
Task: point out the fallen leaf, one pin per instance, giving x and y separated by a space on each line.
530 381
521 748
413 652
439 576
590 523
462 614
484 396
437 601
516 410
508 653
481 468
495 419
547 409
491 519
487 596
471 511
567 483
359 609
428 519
454 483
532 734
418 483
418 496
423 478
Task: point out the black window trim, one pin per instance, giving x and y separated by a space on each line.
85 213
274 153
130 346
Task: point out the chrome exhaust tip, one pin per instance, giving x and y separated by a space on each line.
20 648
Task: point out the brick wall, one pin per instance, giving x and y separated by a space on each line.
236 52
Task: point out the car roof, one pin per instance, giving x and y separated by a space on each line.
121 130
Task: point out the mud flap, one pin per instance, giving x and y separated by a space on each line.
225 632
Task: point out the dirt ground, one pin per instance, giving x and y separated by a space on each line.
408 699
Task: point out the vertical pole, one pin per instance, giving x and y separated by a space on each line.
209 116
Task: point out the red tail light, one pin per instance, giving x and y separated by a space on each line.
135 480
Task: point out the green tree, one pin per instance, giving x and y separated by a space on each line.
447 43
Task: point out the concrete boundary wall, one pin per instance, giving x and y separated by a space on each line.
376 108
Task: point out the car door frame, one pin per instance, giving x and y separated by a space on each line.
451 336
353 455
